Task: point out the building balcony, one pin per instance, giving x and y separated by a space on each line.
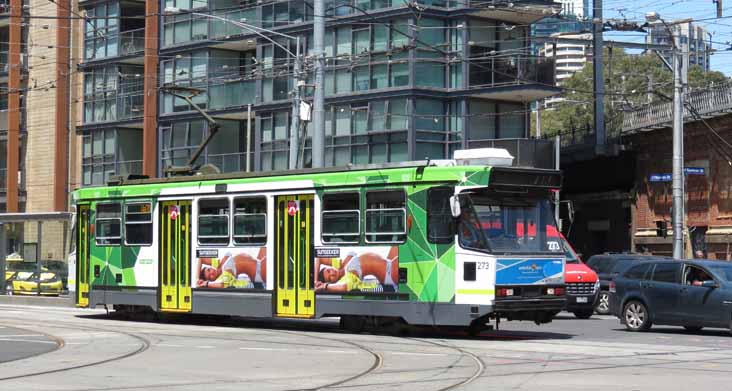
519 11
132 42
232 94
4 122
515 78
122 108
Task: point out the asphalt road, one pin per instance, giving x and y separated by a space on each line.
101 353
18 343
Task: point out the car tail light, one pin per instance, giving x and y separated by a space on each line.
503 292
555 291
612 287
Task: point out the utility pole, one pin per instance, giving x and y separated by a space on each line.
679 65
318 152
295 122
599 77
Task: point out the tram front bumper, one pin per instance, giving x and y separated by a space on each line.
539 310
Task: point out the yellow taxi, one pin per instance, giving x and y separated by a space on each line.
21 278
49 282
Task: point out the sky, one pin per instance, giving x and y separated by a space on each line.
721 29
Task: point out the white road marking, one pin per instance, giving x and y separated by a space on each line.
165 345
204 347
26 340
266 349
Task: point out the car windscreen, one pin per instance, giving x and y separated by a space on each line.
722 272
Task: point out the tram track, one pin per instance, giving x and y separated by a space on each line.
145 345
480 365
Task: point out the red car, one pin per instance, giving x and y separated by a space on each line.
582 283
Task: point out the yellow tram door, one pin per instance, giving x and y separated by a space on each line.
82 256
174 256
293 256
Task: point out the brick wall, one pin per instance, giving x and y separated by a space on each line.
708 197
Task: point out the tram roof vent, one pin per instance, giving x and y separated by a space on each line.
484 156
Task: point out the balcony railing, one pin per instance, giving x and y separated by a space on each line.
511 70
535 153
656 115
4 180
5 62
232 94
130 106
132 42
218 29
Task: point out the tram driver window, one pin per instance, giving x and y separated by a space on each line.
213 222
386 216
250 221
108 222
440 223
341 218
138 224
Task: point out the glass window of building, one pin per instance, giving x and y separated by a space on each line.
107 152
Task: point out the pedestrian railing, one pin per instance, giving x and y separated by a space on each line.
708 101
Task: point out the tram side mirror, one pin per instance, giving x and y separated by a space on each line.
455 206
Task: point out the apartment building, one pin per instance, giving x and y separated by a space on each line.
403 81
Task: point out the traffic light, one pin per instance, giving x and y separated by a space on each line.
661 228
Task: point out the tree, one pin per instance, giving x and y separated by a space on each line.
631 81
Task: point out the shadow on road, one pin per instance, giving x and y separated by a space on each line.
668 330
326 325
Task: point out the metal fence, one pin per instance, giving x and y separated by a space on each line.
717 99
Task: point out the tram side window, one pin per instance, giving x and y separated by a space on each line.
213 221
138 223
386 216
341 218
440 223
250 221
108 224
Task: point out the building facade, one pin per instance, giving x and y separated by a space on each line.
697 37
403 81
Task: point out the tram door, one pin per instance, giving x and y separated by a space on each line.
82 256
293 256
174 256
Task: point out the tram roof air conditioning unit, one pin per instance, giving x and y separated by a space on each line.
484 157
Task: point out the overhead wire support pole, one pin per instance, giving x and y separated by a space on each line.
318 151
295 123
599 77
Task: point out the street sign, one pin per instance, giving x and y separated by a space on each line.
660 178
694 171
668 177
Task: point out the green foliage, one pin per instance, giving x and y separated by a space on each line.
631 81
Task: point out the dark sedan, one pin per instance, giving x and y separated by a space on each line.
693 294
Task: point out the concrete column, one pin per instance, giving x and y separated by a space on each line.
13 154
150 130
63 107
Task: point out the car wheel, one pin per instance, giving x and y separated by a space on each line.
603 303
636 317
693 329
585 314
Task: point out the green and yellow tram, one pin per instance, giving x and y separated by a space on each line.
447 242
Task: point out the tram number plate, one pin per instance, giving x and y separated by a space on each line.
582 300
